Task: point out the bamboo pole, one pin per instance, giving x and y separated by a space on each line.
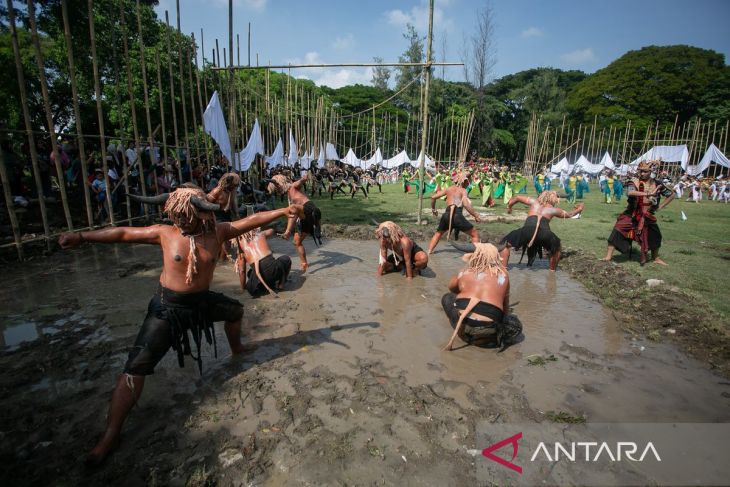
171 81
162 106
143 65
125 162
49 116
196 132
99 110
427 69
181 75
133 103
5 180
77 111
202 54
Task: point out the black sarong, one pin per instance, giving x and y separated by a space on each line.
544 240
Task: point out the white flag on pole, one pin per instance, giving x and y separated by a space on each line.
215 126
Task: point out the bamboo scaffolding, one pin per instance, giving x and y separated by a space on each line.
143 65
183 101
125 162
162 107
10 205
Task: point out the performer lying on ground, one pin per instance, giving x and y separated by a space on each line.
266 273
478 301
638 222
407 255
535 235
183 301
309 224
453 217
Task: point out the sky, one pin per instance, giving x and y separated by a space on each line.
566 34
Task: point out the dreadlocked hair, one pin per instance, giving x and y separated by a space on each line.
485 258
251 235
396 232
548 197
229 187
282 184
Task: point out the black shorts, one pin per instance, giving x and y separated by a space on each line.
310 224
457 223
170 316
416 249
273 271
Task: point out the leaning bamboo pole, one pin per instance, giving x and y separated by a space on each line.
10 205
99 110
28 124
201 105
49 117
77 111
133 107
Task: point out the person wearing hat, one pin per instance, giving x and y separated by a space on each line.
639 223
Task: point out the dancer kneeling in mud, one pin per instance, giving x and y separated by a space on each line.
407 256
535 235
266 272
477 303
183 302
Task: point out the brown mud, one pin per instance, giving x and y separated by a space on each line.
348 385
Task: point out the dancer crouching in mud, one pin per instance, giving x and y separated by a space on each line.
478 302
453 218
406 253
183 301
266 273
309 224
535 235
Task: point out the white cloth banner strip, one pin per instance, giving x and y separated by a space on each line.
352 159
214 124
321 158
667 153
376 159
277 157
561 166
255 146
713 154
331 152
397 160
583 164
427 163
607 162
292 159
305 161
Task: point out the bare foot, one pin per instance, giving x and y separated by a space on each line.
304 266
107 444
285 235
243 348
659 261
606 259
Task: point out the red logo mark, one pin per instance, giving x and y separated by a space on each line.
487 452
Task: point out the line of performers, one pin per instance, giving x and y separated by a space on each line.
183 309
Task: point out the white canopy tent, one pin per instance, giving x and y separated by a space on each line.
607 162
351 159
561 166
376 159
583 164
667 153
397 160
713 154
331 152
292 159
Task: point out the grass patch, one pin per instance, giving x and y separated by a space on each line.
564 417
540 360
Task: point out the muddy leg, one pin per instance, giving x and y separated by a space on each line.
504 254
300 250
609 252
233 334
125 395
554 259
434 241
474 235
421 261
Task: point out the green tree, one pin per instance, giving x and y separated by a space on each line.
381 75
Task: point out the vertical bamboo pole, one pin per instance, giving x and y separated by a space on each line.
202 67
77 111
427 69
28 124
99 110
125 162
143 65
182 96
5 180
133 106
49 116
188 62
171 81
162 106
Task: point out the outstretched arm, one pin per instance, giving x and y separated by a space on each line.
299 182
666 201
560 213
519 199
147 235
470 209
239 227
435 197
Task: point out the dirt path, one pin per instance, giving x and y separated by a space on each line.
348 385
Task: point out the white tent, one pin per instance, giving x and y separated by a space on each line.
427 162
292 159
561 166
397 160
607 162
583 164
352 159
667 153
255 146
277 157
331 152
713 154
215 126
305 161
376 159
321 158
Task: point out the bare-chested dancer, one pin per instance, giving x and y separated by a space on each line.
183 301
477 303
407 255
224 195
535 235
309 224
266 273
453 217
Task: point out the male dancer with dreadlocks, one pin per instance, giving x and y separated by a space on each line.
183 301
535 235
639 223
407 255
453 218
309 224
266 272
478 299
224 195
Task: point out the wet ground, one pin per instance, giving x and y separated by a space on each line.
348 386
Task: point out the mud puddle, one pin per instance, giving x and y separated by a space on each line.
348 386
